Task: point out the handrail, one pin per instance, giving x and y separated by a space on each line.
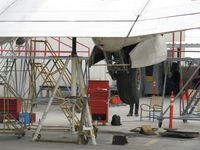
35 49
82 45
88 48
62 42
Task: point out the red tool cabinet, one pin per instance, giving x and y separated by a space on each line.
98 92
11 105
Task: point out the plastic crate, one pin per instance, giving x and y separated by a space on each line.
24 118
33 118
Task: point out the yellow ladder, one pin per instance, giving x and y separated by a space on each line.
59 65
11 125
48 78
57 61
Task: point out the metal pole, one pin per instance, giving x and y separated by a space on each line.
74 53
73 115
90 124
160 118
80 76
173 37
73 68
164 88
171 113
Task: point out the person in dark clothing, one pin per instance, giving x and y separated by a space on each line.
175 78
173 82
128 89
196 81
136 109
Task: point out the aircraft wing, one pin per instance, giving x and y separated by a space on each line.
167 16
96 18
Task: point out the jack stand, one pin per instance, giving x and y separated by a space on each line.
86 129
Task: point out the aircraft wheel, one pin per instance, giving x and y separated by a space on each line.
129 85
184 121
84 139
19 136
38 137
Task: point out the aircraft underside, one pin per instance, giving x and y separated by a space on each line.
119 67
125 57
125 63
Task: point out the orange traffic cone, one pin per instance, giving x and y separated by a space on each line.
171 110
184 96
115 100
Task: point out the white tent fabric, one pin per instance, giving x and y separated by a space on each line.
167 16
96 18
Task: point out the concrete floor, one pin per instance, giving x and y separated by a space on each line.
105 134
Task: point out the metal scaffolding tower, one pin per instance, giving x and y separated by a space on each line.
187 108
21 76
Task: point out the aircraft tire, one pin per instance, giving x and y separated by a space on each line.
129 88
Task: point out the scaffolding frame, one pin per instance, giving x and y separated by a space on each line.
188 108
30 70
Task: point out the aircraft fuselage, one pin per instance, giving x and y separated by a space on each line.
111 44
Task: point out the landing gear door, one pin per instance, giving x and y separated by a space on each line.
149 52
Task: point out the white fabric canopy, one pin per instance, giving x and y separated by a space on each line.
96 18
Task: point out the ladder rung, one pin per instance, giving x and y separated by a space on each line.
49 81
37 63
11 121
45 72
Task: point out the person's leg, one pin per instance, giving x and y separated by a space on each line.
131 110
136 109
